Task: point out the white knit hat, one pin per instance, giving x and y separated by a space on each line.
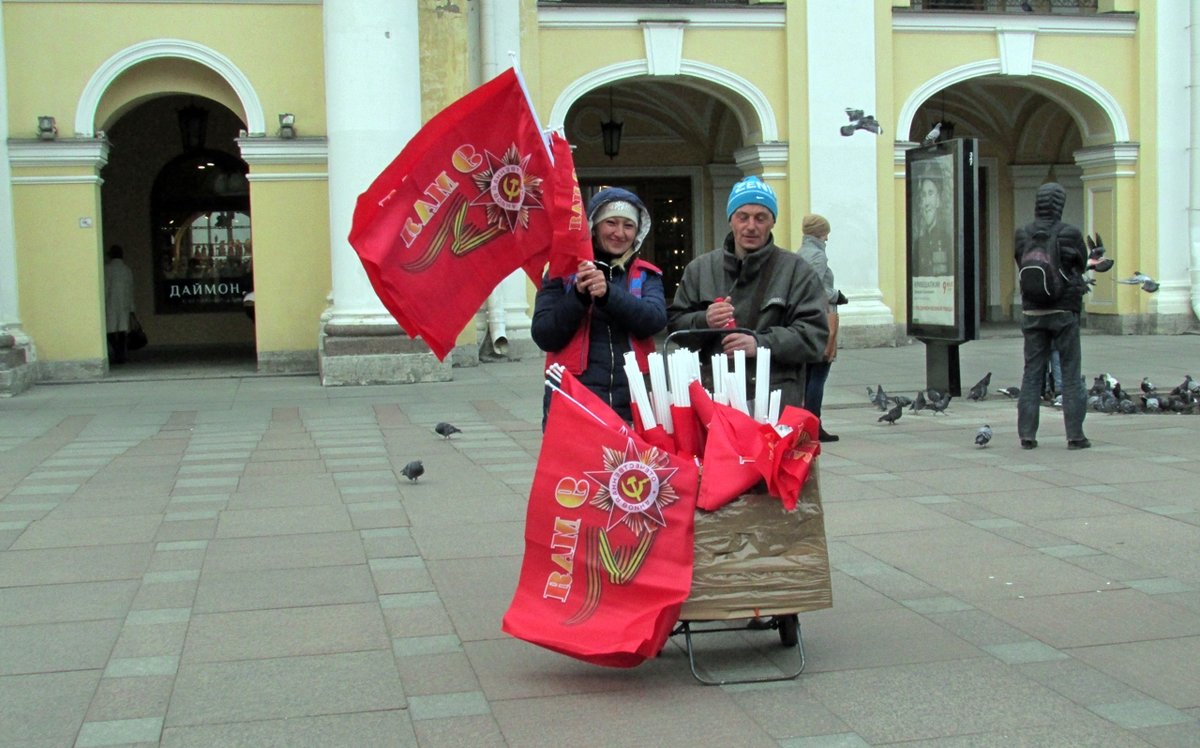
617 208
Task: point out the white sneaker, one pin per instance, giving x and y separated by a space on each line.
1058 401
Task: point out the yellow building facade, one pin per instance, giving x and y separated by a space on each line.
169 138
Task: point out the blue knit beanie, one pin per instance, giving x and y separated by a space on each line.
752 191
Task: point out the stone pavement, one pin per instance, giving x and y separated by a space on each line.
233 561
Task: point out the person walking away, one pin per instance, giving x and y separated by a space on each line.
1052 323
751 283
589 320
812 250
118 303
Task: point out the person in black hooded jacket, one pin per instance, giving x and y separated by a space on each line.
589 320
1055 325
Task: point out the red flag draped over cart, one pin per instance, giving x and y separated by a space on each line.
470 199
608 542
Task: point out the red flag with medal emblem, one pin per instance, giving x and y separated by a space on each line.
464 204
608 542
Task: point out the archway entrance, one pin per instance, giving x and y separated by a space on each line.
676 152
175 196
1025 139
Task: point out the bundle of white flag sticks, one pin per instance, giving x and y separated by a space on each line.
671 375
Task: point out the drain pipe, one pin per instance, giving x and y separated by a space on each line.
499 29
1194 155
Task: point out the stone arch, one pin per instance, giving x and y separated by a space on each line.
750 106
113 67
1095 110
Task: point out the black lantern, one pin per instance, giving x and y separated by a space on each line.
193 127
610 131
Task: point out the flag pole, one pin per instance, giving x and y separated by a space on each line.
516 66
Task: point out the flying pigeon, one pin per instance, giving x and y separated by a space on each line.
446 429
979 391
1096 259
932 136
1148 284
940 405
1012 392
918 402
984 435
892 415
413 470
860 122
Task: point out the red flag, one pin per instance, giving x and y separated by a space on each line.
608 543
463 206
572 241
730 451
786 459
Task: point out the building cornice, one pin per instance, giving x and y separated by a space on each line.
263 151
763 16
58 153
1098 25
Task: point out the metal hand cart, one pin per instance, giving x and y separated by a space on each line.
758 565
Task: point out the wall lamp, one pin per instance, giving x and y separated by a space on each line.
287 126
610 131
47 129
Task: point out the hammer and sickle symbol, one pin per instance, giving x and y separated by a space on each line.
634 487
511 187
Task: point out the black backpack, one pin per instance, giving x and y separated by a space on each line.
1040 274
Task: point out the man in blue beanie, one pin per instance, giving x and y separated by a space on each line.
750 283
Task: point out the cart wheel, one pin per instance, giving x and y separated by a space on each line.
789 630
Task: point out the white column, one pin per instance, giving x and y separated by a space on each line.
373 108
843 171
10 321
507 317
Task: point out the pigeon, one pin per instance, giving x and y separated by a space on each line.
413 470
446 429
1096 259
979 391
918 402
1185 386
1128 406
1147 385
932 136
1148 284
1011 392
902 400
940 406
858 121
1026 6
1118 392
881 398
983 435
892 415
1151 404
933 394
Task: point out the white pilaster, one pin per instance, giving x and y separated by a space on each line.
373 107
17 355
843 171
1177 262
506 318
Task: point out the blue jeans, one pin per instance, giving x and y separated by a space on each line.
1059 331
814 387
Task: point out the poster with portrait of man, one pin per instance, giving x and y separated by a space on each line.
942 238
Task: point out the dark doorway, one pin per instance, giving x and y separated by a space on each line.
669 200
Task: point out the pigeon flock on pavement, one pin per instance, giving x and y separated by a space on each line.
1106 395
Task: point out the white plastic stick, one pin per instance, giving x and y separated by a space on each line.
762 384
637 388
659 395
720 368
737 398
773 413
739 374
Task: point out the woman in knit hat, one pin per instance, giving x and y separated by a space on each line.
812 251
589 320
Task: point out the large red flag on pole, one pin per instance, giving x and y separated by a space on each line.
469 200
